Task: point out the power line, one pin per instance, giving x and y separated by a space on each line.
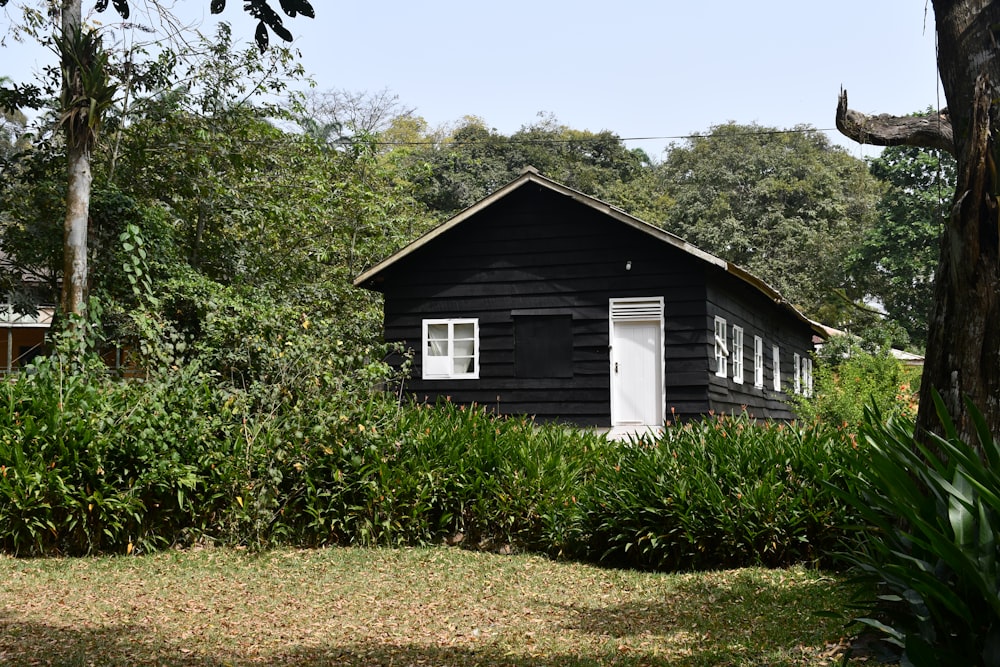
352 141
518 140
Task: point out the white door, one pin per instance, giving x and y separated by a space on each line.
637 362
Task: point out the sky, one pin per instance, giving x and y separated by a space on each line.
651 71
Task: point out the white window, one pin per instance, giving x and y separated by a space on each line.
796 373
721 348
451 349
807 376
737 354
776 367
758 362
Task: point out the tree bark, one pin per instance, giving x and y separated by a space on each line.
74 287
924 131
963 349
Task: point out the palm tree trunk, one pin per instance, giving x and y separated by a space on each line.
74 288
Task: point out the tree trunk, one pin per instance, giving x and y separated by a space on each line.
74 287
963 344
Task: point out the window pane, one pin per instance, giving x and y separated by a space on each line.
465 348
437 340
465 331
464 365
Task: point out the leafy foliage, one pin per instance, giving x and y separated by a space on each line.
722 492
88 92
259 9
309 454
445 473
933 520
786 206
848 377
13 122
454 172
93 464
897 258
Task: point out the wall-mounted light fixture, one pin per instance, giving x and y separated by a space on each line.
628 265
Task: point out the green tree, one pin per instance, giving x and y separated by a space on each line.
592 162
249 231
32 201
214 178
454 173
854 373
87 94
897 258
254 211
786 205
13 124
451 173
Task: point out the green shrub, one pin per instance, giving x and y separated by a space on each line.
292 439
445 473
931 540
722 492
848 378
94 464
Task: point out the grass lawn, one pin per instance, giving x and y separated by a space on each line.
434 606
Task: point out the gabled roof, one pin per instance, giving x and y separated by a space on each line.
531 175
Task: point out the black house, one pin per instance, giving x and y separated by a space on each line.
540 300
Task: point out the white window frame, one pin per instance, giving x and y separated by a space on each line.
807 376
721 348
427 369
776 367
758 362
796 373
737 354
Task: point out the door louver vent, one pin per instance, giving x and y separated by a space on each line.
636 310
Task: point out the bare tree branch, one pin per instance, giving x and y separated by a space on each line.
924 131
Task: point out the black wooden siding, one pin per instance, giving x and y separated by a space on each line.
538 251
744 306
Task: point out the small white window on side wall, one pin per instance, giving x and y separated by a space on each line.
737 354
776 367
758 362
721 348
450 349
796 373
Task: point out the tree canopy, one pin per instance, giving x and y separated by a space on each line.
209 217
452 172
895 263
787 206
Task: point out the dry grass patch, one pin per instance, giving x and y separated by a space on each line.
433 606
